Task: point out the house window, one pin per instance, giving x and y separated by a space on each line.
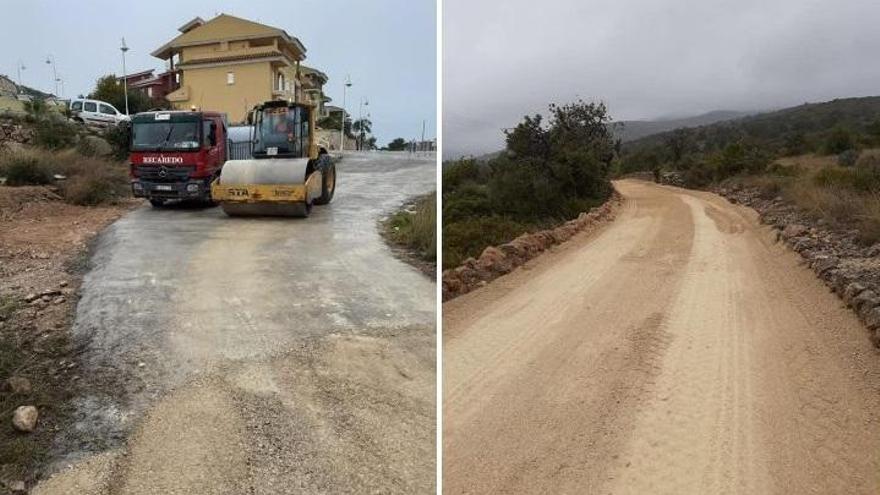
150 91
230 78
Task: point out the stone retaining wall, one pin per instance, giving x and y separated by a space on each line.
496 261
13 132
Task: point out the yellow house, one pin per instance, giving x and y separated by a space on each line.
229 64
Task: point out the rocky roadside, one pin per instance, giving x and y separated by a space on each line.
496 261
848 268
43 248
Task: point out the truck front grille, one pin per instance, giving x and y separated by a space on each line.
160 173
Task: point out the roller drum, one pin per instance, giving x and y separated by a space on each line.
289 171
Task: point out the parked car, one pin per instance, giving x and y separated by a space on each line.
96 112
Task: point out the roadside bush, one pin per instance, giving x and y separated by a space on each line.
53 133
848 158
417 229
860 179
468 201
459 172
549 172
26 169
94 188
839 140
91 180
467 238
118 137
88 180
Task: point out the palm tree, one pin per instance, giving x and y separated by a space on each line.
362 127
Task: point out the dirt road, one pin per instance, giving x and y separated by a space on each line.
680 350
259 356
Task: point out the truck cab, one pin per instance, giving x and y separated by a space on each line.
175 155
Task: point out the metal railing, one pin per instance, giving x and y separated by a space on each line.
240 151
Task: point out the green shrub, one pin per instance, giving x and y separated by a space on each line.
839 140
26 169
93 189
467 201
460 172
53 133
848 158
91 180
118 137
467 238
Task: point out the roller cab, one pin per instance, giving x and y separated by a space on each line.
288 173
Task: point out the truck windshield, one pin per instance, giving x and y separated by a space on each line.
169 136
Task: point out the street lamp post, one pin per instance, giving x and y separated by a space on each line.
124 49
363 102
342 130
21 67
50 59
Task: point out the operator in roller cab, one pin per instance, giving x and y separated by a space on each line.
176 155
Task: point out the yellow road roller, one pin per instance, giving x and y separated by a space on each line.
287 172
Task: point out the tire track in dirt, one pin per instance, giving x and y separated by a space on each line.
680 350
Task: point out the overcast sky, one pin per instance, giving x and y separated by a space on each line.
647 59
388 46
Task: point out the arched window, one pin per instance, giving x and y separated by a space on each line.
280 85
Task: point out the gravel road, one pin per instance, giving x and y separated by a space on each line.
258 355
680 350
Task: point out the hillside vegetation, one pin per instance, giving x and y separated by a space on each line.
548 173
818 156
630 130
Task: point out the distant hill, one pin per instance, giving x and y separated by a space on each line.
635 129
9 88
805 125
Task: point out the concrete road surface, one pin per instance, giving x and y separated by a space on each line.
678 351
258 355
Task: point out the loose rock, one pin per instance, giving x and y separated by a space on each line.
19 385
25 418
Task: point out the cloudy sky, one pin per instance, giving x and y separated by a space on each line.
388 46
647 59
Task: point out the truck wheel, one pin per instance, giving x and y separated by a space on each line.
157 203
328 184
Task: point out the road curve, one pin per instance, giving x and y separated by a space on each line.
678 351
258 355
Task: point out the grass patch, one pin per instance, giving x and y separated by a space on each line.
415 227
8 306
845 197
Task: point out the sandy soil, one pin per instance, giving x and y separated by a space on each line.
680 350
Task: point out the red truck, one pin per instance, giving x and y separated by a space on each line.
175 155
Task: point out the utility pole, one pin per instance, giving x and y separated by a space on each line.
124 49
422 142
342 130
51 61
